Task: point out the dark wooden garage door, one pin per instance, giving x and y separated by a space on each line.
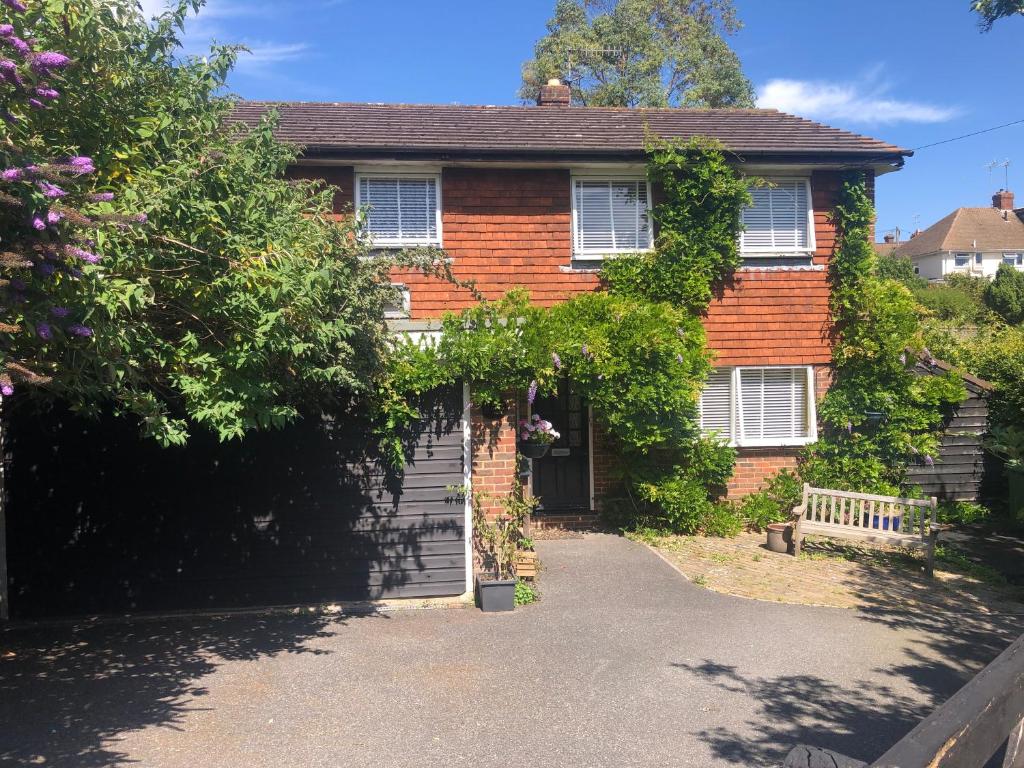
101 521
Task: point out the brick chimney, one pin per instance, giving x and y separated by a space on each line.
554 94
1003 200
890 238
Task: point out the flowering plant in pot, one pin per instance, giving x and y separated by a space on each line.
535 436
497 542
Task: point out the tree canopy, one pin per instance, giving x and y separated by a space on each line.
237 298
641 53
1005 294
991 11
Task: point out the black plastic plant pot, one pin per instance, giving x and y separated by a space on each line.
496 595
532 450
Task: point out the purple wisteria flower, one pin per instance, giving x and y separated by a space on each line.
102 197
12 174
77 329
556 360
929 461
16 5
51 190
43 331
531 392
60 311
47 60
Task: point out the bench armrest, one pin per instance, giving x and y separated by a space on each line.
798 512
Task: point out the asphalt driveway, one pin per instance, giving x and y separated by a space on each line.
623 663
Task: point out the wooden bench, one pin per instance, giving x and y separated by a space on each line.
869 518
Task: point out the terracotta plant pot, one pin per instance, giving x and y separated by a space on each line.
495 595
780 536
532 450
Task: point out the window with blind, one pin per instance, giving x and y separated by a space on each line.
400 210
779 221
610 216
760 406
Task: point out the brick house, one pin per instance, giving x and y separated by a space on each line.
533 196
537 196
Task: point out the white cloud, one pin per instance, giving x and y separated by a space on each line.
864 102
265 53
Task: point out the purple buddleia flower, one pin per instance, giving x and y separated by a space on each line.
48 60
16 5
45 269
9 72
929 461
12 174
43 331
17 44
78 329
84 255
556 360
47 93
8 116
38 223
141 218
6 389
81 162
60 311
54 217
6 30
102 197
51 190
36 104
531 392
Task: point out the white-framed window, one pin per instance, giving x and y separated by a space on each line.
399 209
760 406
610 216
1013 259
779 221
963 260
402 304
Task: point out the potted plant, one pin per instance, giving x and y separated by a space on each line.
497 542
535 437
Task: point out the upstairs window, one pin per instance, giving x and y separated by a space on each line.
400 210
760 406
779 221
610 216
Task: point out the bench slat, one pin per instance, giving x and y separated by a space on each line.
869 496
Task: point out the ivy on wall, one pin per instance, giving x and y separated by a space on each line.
878 414
635 351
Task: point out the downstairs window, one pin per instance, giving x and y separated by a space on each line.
760 406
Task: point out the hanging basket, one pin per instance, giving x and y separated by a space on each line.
532 450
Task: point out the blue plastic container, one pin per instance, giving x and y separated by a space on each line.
880 523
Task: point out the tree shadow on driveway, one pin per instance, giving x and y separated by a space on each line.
935 652
68 693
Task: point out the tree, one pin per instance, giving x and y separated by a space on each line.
240 300
901 270
1005 294
991 11
641 53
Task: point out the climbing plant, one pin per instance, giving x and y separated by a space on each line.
635 351
878 414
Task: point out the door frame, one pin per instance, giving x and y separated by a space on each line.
467 480
592 505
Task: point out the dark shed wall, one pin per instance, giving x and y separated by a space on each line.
959 470
101 521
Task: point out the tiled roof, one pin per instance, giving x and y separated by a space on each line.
328 128
968 229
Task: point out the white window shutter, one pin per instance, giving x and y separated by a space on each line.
611 216
400 210
778 219
774 405
716 404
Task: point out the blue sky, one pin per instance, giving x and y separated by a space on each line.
912 72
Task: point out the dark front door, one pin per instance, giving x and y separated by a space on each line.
561 480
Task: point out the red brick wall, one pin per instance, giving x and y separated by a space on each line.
341 177
493 456
502 228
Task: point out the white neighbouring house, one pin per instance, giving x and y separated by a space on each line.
969 240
